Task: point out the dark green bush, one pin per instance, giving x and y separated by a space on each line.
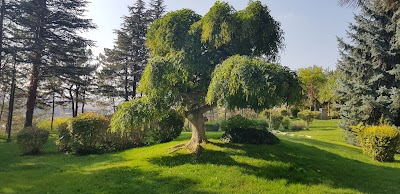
241 122
118 141
298 126
276 120
379 142
284 112
249 136
87 132
294 112
212 126
286 123
168 128
31 140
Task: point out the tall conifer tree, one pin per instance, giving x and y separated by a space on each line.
370 85
48 36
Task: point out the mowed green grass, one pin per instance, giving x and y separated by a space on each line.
323 164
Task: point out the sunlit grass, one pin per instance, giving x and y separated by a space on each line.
323 164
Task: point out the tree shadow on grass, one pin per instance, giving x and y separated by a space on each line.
298 163
112 180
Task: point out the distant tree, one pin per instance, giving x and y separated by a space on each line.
47 35
187 49
370 85
313 79
123 65
327 93
156 9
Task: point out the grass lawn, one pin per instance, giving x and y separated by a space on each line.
323 164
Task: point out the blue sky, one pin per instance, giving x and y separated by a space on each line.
310 26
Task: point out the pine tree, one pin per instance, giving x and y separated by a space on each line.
156 10
47 33
123 65
370 85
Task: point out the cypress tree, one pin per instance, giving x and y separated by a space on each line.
370 85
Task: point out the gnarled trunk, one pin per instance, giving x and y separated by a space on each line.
198 133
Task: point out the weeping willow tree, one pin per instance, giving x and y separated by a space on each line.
200 62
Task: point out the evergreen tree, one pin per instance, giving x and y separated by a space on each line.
370 85
156 9
47 36
123 65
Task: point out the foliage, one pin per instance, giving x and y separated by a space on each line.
298 126
308 116
370 81
334 114
276 120
379 142
313 80
234 84
65 138
46 124
294 111
286 123
249 136
212 126
167 128
31 140
87 131
186 48
238 122
118 141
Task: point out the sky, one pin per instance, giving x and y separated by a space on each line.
311 27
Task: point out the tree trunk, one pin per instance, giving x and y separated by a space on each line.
197 119
72 100
52 111
32 91
126 84
76 101
2 13
2 105
83 100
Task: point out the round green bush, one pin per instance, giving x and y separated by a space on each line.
31 140
276 120
249 136
308 116
380 142
65 138
87 131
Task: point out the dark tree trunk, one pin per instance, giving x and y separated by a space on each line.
32 91
83 100
2 13
76 101
72 101
52 111
11 105
126 84
134 85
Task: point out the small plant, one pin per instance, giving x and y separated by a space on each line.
298 126
31 140
286 123
87 131
249 136
379 142
308 116
276 120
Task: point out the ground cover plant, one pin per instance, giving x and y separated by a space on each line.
323 164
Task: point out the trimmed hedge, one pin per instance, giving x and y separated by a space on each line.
31 140
249 136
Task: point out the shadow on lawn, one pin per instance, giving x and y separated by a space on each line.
305 164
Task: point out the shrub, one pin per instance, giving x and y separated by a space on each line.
237 122
334 114
276 120
31 140
298 126
260 124
249 136
379 142
118 141
284 112
46 124
286 123
294 112
168 127
212 126
87 131
308 116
